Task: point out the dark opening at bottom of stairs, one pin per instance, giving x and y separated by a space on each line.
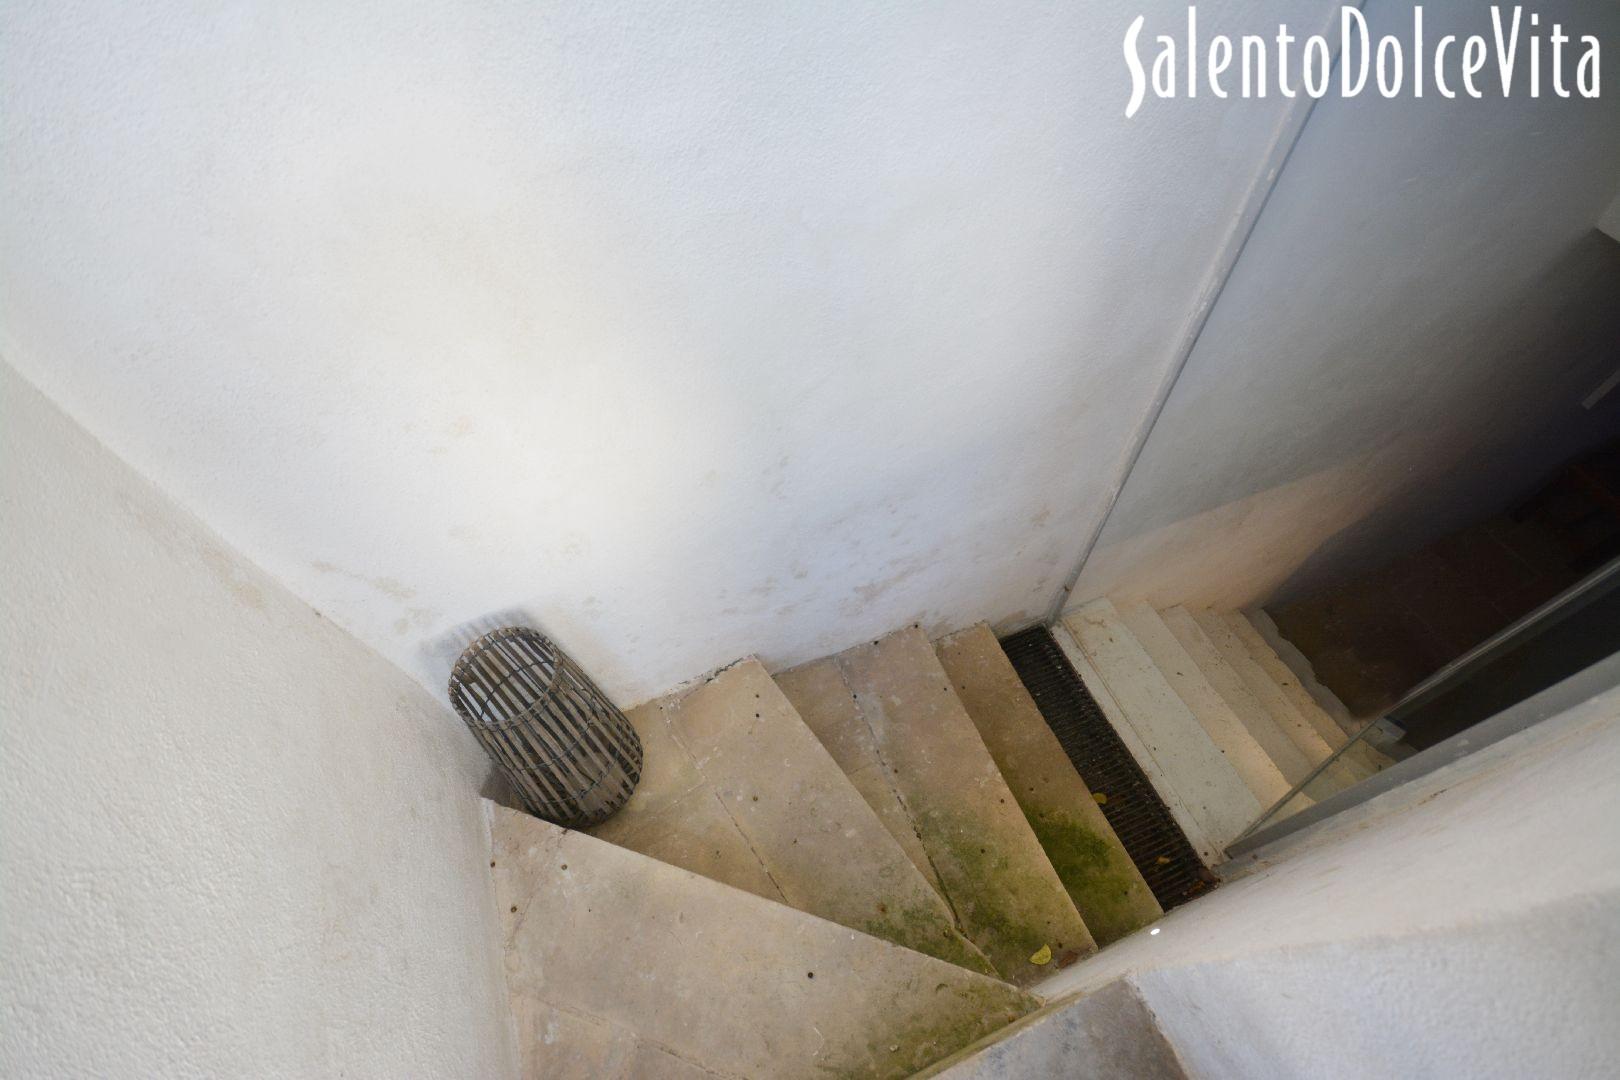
1139 818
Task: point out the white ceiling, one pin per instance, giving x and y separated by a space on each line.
687 330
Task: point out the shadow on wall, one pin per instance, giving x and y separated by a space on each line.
1464 494
1371 637
441 652
1295 507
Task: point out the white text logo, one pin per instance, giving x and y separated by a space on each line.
1254 64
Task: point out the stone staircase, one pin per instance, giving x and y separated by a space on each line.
862 866
1219 723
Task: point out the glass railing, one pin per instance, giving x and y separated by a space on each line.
1491 676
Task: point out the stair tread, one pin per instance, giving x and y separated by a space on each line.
1288 757
639 959
819 693
995 876
1298 729
1223 726
1353 762
1110 1032
739 790
1301 668
1286 681
1362 757
1182 757
560 1043
674 815
1093 865
1191 826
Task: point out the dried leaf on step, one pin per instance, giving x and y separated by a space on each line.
1043 955
1102 800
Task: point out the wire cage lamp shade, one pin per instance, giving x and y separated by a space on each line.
570 753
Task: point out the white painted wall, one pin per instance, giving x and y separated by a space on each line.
691 330
1467 924
1402 348
236 842
1531 995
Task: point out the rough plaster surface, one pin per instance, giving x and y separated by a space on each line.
1528 995
1403 346
689 331
236 842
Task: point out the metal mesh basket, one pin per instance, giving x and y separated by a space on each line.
568 750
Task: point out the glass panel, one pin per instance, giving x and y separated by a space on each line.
1352 763
1574 629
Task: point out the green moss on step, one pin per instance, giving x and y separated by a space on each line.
1111 896
958 1017
922 928
1006 904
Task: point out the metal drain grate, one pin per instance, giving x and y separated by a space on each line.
1151 837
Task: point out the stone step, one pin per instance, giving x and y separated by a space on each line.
1108 1034
1315 701
1089 859
829 709
1354 760
1302 670
1223 726
1289 758
1374 756
905 725
1189 824
1338 775
1180 755
1286 681
622 965
736 788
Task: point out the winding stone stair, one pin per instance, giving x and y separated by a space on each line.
864 866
